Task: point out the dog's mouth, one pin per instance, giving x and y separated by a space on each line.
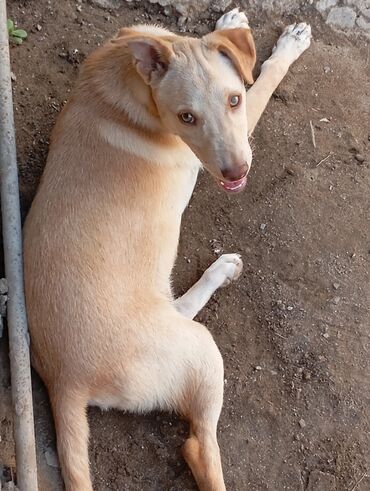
233 186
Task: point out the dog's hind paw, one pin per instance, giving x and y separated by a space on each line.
232 20
295 39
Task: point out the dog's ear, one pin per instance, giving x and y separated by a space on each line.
151 56
238 46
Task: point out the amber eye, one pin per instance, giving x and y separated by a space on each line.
234 100
187 118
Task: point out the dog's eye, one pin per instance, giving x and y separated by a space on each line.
187 118
234 100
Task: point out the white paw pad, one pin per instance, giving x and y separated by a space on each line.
232 20
225 269
295 39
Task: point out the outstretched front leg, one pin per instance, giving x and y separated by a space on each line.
225 269
295 39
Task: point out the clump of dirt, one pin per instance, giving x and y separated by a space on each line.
294 330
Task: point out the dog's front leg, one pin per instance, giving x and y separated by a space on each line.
292 43
225 269
295 39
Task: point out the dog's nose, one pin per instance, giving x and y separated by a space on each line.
236 172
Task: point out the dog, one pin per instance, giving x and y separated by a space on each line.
150 108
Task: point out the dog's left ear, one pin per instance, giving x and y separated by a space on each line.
238 46
151 56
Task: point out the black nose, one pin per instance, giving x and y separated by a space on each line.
235 173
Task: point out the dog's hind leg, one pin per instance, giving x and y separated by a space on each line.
291 44
69 410
224 270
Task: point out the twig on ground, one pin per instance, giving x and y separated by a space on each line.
359 481
323 160
313 134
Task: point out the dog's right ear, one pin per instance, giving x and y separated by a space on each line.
151 56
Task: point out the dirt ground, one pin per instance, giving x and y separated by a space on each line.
294 330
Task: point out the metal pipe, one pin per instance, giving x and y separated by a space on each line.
24 433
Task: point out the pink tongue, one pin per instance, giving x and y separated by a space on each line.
232 185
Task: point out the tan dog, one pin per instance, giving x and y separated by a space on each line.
148 110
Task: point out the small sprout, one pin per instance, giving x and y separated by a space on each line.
16 35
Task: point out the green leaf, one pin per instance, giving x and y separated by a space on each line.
17 40
19 33
10 25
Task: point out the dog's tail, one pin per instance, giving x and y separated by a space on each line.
72 430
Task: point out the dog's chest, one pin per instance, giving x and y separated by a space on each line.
184 188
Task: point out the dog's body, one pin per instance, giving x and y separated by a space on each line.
102 234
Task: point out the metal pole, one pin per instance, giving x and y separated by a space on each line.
16 310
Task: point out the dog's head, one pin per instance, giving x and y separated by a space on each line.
198 88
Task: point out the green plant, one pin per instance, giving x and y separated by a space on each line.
16 35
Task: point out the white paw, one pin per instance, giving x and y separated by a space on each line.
295 39
225 269
232 20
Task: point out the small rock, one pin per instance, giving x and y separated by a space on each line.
336 300
38 27
324 120
3 302
321 481
220 5
336 286
363 23
323 5
343 17
3 286
181 21
78 8
290 307
10 486
326 335
263 226
302 423
51 458
13 76
258 368
306 375
326 70
359 157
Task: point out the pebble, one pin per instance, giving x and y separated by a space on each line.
38 27
221 5
290 307
336 300
181 21
78 8
306 375
302 423
263 226
359 157
3 286
326 335
336 286
321 481
51 458
258 368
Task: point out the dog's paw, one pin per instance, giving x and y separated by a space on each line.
295 39
232 20
225 269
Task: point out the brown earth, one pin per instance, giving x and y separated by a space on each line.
294 330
